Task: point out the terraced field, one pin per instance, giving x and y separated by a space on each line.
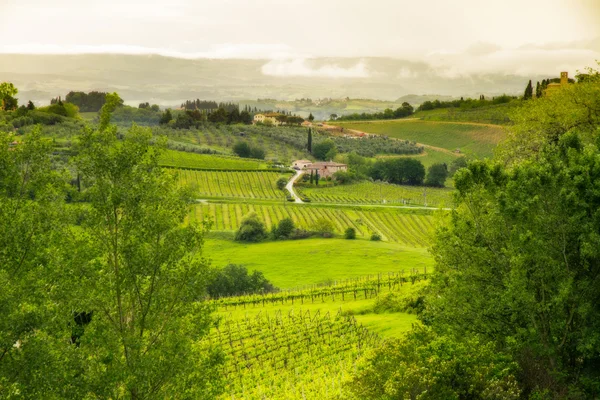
237 184
172 158
407 229
474 139
379 193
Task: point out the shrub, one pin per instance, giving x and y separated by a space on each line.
350 233
322 227
234 280
281 182
284 229
324 149
251 229
375 237
242 149
436 175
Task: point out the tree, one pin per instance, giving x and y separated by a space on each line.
538 90
323 149
311 177
234 280
30 106
350 233
423 365
257 152
166 117
145 279
309 145
436 175
251 229
317 178
528 91
311 117
333 117
281 182
456 164
284 229
7 93
323 227
242 149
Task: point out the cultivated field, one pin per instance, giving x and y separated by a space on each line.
392 224
236 184
183 159
379 193
473 139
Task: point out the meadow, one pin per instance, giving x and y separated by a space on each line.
396 225
367 192
295 263
477 140
181 159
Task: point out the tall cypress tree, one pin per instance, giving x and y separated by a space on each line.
317 178
528 91
309 146
538 90
311 177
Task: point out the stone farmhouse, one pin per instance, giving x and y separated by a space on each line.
324 169
267 118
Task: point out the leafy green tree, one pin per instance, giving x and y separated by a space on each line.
251 229
257 152
242 149
166 117
281 182
350 233
30 106
284 229
145 279
8 91
323 149
436 175
322 227
456 164
424 365
36 354
375 237
234 280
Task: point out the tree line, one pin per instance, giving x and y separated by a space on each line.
467 103
405 110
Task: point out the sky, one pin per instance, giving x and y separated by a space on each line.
456 36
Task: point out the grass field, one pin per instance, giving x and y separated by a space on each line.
394 225
473 139
366 192
182 159
294 263
494 114
236 184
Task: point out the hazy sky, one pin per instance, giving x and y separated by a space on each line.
463 36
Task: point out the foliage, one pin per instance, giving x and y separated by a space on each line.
8 91
145 278
405 110
344 177
251 229
68 110
350 233
87 102
166 117
399 170
324 150
465 103
436 175
244 150
284 229
456 164
375 237
534 253
322 227
234 280
424 365
281 182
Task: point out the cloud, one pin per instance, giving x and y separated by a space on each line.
302 67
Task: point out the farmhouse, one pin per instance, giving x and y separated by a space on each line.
267 118
326 169
301 163
552 87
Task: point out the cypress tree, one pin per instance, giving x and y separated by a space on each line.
309 141
528 91
538 90
317 178
311 177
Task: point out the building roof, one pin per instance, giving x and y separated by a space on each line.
302 161
326 164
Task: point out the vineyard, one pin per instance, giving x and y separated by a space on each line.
473 139
183 159
289 356
239 184
379 193
407 229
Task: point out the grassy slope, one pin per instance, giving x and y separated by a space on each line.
192 160
295 263
473 139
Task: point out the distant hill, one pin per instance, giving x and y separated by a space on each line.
416 99
170 81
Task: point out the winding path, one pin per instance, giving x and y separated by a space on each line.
290 186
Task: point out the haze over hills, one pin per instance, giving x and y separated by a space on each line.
169 81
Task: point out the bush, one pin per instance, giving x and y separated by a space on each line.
350 233
324 150
234 280
436 175
284 229
375 237
281 182
244 150
251 229
322 227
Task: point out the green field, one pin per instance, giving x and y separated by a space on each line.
295 263
183 159
367 192
394 225
236 184
472 139
498 114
